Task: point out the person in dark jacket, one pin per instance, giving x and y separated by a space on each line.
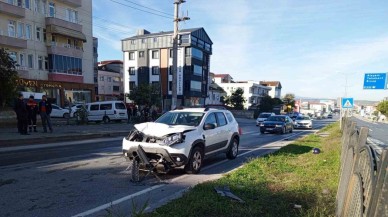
45 109
32 108
22 115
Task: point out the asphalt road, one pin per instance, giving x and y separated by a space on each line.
87 177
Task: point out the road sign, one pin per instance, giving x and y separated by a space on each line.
375 81
347 103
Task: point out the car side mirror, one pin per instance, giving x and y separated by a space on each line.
209 126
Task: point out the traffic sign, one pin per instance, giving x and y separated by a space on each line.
375 81
347 103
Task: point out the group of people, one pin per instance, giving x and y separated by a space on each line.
26 113
145 112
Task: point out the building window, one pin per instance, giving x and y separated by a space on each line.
155 39
38 34
198 54
13 55
71 15
11 28
170 69
131 85
156 86
195 85
143 40
44 35
155 54
44 7
132 41
20 30
171 53
131 70
27 4
109 79
170 85
141 54
51 9
101 78
131 55
21 60
28 31
40 62
116 88
64 64
185 39
187 51
30 61
36 5
197 70
155 70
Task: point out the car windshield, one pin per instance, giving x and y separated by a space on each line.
276 118
181 118
264 115
302 118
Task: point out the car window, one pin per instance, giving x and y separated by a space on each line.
106 106
211 119
54 107
230 117
181 118
120 105
94 107
221 119
264 115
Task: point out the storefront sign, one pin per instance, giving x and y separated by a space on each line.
41 84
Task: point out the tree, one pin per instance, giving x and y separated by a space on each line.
383 107
8 78
225 100
267 103
145 94
289 101
237 99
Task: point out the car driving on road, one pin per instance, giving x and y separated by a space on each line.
277 124
303 122
262 117
183 138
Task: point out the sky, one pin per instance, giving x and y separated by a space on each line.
318 49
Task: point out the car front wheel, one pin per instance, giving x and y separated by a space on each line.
233 149
195 162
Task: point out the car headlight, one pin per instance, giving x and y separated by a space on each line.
173 139
261 125
278 125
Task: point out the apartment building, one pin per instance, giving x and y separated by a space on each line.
276 91
253 91
51 42
215 91
110 80
148 60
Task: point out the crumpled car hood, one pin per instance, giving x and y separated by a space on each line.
159 130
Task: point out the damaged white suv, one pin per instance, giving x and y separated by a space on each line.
183 138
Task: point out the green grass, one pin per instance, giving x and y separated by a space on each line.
270 185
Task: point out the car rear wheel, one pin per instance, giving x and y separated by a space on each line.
66 115
292 128
135 171
195 162
233 149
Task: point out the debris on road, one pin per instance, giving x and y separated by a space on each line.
225 192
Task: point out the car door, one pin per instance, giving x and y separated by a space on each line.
55 112
211 135
223 134
289 123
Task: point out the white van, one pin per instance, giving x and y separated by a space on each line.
106 111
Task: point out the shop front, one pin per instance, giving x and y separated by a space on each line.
58 92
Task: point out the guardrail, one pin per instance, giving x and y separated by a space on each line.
363 185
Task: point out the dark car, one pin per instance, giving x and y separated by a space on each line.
277 124
330 116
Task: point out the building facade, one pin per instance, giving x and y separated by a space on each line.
215 92
276 91
148 60
253 92
110 80
52 49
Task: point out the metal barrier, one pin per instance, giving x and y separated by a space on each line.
363 185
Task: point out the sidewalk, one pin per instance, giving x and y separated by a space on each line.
63 132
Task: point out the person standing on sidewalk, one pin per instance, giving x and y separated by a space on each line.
45 111
22 115
32 108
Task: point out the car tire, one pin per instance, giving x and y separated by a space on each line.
106 120
196 160
135 171
233 149
66 115
292 128
262 131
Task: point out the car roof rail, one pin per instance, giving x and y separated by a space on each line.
220 107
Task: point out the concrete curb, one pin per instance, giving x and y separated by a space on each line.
60 138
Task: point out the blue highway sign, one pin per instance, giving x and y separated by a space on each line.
347 103
376 81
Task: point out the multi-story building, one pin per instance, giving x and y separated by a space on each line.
52 48
215 92
276 91
223 78
148 60
110 80
253 91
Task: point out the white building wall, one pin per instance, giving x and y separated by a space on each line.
127 78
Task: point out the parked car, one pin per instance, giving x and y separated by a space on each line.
59 112
303 122
262 117
330 115
277 124
183 138
106 111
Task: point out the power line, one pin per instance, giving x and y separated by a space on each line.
148 8
141 10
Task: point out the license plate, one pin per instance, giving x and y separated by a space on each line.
268 129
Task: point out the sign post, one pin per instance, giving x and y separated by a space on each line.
375 81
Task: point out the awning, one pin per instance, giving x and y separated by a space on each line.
66 32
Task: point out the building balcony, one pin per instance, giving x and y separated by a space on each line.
22 71
65 28
12 41
74 78
12 10
73 3
64 49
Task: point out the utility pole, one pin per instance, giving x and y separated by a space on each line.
175 52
